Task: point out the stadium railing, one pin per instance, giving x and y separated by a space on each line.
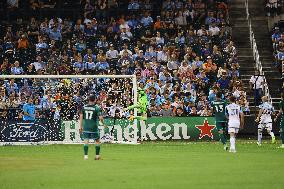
256 55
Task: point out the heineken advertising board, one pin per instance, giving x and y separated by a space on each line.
156 128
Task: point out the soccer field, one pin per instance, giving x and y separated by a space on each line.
150 165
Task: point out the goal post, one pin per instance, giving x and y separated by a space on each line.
71 128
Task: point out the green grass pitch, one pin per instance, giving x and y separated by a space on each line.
161 165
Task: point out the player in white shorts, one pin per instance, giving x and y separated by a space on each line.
264 119
235 122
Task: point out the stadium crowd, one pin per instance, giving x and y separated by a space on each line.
181 56
278 46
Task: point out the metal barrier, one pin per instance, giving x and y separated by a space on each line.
256 55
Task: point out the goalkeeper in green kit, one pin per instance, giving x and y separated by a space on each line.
142 110
141 106
221 121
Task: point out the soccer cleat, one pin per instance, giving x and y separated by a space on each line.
232 151
98 158
273 140
258 143
226 147
85 157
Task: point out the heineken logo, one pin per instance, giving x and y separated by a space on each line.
205 129
162 131
196 128
165 131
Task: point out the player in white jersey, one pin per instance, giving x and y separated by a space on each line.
235 121
264 119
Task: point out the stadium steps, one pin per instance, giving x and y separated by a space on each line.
245 57
264 44
244 52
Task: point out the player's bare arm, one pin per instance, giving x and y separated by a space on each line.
259 115
242 120
81 122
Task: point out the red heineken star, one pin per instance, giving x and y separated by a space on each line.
205 129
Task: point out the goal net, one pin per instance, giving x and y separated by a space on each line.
57 100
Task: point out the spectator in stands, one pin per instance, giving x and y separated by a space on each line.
224 81
179 112
273 7
256 84
276 37
29 110
23 42
16 69
133 5
39 64
147 20
55 34
166 111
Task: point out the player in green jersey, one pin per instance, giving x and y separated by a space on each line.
280 114
142 110
221 121
141 106
90 116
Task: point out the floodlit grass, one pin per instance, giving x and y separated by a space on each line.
173 165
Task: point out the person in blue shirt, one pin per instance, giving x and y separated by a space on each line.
146 20
224 82
11 87
78 65
133 5
55 34
276 36
280 54
89 30
41 45
16 69
102 65
29 110
212 94
89 55
90 66
80 45
133 22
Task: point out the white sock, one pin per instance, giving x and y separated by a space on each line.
259 135
232 143
271 134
